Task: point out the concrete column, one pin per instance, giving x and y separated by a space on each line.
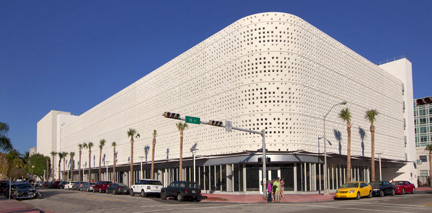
229 178
310 176
199 175
244 178
319 177
304 177
295 177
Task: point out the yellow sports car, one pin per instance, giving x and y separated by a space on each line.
354 190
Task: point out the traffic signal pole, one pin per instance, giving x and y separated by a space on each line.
229 127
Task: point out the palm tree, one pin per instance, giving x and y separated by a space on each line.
429 148
101 145
65 154
114 144
60 154
153 151
5 143
345 115
80 146
370 115
53 154
89 145
47 168
132 133
181 127
72 154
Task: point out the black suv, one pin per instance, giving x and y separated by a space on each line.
182 190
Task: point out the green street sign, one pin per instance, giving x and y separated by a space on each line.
192 120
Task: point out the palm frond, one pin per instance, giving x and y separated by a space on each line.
371 115
114 144
345 114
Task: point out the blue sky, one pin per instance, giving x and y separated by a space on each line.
72 55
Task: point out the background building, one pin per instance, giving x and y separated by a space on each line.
423 130
271 71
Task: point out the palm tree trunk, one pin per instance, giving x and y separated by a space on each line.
47 170
152 165
52 168
372 129
71 176
89 174
430 168
79 166
64 169
59 170
348 175
114 172
100 159
181 156
131 165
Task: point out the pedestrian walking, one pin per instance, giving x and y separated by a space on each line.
269 191
277 191
282 184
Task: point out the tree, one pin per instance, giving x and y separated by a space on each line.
71 154
37 165
53 154
346 116
60 155
132 133
181 127
65 154
114 144
429 148
5 143
47 159
153 151
80 146
101 145
89 145
371 116
12 165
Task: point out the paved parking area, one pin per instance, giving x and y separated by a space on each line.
73 201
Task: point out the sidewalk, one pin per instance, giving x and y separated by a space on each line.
15 206
289 198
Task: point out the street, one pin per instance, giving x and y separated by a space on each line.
73 201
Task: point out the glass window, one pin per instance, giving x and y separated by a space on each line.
287 173
423 129
252 178
423 158
423 138
422 120
424 173
422 112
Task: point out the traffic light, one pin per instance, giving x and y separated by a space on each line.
215 123
171 115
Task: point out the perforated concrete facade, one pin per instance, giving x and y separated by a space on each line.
270 71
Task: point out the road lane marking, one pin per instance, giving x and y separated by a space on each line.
388 204
344 207
427 204
103 198
201 207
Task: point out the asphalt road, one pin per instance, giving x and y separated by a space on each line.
74 201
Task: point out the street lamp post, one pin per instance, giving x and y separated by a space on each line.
193 150
326 190
106 164
379 157
141 173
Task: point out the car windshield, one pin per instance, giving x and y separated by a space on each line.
350 185
398 183
150 182
121 184
24 186
376 184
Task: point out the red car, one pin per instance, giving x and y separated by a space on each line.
101 186
402 187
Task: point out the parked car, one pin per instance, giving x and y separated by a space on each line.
54 184
23 191
87 187
117 188
39 184
402 187
3 185
81 185
77 185
381 188
354 190
182 190
62 184
101 186
69 185
146 187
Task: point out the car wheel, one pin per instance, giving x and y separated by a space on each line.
358 196
132 193
403 191
198 200
100 190
180 197
143 194
94 191
163 196
106 191
87 190
393 192
114 192
381 194
370 194
413 191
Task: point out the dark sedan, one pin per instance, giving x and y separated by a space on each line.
23 191
87 187
182 190
77 185
381 188
117 188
